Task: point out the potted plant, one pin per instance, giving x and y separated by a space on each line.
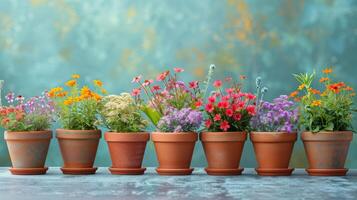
126 139
173 108
326 118
229 111
274 133
27 123
77 109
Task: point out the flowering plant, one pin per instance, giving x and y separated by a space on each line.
329 110
33 114
281 115
229 109
119 113
172 104
77 107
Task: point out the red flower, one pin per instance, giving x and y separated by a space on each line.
237 117
209 108
224 125
136 79
147 82
250 96
156 88
251 109
226 98
208 123
198 104
136 92
178 70
211 99
5 121
217 83
217 117
193 84
223 104
162 76
229 112
230 90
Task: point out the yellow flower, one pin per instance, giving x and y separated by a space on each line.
76 76
68 101
302 86
327 71
98 83
104 91
71 83
324 79
316 103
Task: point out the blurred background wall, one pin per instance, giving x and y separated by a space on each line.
43 42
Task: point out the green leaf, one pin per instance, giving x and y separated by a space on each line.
329 127
316 130
152 114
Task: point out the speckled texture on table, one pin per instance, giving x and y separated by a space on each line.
55 186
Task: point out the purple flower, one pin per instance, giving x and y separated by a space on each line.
184 120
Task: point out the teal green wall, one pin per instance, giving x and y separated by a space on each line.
42 42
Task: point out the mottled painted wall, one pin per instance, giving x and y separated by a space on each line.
42 42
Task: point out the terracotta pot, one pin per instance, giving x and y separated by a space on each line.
223 152
78 149
326 152
127 152
273 152
174 152
28 151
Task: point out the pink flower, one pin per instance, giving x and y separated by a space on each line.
136 92
230 90
136 79
156 88
162 76
217 117
225 98
223 104
193 84
208 123
251 110
209 108
237 117
178 70
229 112
212 99
217 83
147 82
224 125
250 96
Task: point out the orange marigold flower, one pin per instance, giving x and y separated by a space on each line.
68 101
314 91
53 92
294 94
316 103
353 94
324 79
71 83
62 94
334 88
327 71
348 88
76 76
302 86
103 91
98 83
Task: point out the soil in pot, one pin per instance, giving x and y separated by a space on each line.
127 152
273 151
78 149
327 152
174 152
28 151
223 152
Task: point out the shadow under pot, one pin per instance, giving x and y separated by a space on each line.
28 151
327 152
223 152
273 151
127 152
78 149
174 152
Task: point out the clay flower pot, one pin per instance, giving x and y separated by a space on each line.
223 152
127 152
174 152
28 151
78 149
273 152
326 152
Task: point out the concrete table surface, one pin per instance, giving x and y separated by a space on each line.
103 185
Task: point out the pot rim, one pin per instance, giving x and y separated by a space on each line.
126 136
174 137
273 132
223 136
27 135
327 136
78 134
272 137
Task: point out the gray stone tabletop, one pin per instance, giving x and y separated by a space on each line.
103 185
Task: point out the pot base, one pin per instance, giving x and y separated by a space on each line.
224 172
327 172
79 171
127 171
274 172
174 172
28 171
